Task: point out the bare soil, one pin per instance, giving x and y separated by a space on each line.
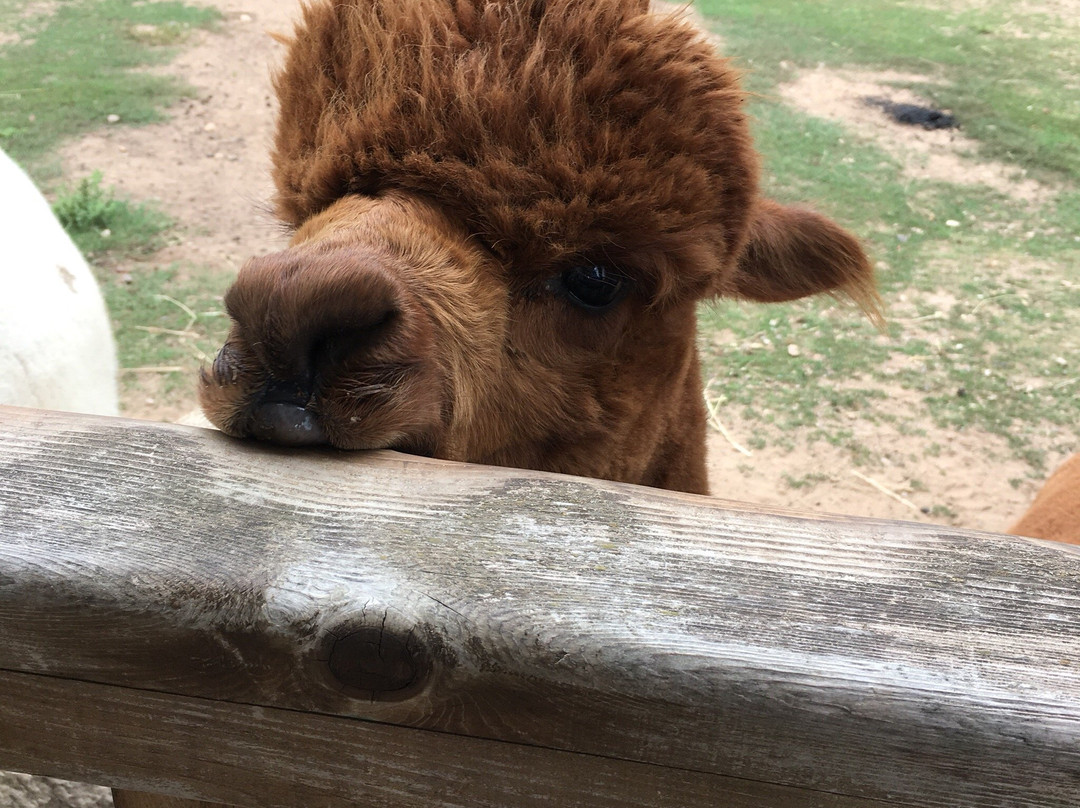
945 155
208 166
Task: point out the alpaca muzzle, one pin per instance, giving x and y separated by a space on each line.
287 425
282 417
329 346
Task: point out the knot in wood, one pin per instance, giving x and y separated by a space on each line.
375 660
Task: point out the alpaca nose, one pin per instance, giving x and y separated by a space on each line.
287 425
282 416
339 335
323 331
282 413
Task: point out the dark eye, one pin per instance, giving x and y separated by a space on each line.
594 286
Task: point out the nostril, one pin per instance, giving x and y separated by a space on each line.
287 424
226 365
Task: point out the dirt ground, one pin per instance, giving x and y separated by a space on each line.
208 166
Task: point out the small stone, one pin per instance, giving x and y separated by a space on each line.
952 223
106 233
112 118
246 18
210 127
793 350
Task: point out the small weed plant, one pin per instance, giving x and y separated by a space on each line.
98 222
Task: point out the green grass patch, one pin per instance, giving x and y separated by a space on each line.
981 289
72 67
1009 77
806 480
78 65
98 222
1006 358
762 377
163 319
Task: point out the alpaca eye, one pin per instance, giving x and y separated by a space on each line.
594 286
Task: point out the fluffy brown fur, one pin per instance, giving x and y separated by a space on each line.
446 164
1055 513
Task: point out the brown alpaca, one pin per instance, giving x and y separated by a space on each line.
1055 513
504 215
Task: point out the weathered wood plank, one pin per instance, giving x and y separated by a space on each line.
883 661
138 799
254 756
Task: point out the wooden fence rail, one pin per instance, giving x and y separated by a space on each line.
184 614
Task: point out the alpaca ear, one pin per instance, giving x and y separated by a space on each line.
793 252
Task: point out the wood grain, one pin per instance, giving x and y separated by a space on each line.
824 657
137 799
256 756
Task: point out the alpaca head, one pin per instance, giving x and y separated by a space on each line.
504 214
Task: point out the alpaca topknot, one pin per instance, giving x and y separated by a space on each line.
552 129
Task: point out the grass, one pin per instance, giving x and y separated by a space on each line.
73 67
76 66
806 480
166 324
166 321
984 313
99 223
984 331
1010 77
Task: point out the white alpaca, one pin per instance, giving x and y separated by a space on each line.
56 352
56 345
